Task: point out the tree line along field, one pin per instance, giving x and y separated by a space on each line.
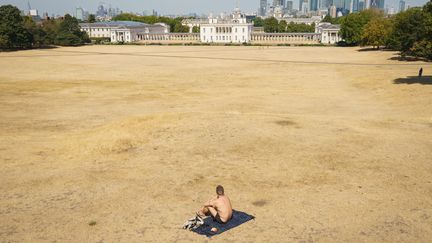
409 32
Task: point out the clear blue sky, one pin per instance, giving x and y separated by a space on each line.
162 6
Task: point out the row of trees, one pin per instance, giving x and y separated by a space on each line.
272 25
410 31
174 23
18 32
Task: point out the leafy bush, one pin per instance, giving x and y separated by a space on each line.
100 40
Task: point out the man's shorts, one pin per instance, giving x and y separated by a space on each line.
218 219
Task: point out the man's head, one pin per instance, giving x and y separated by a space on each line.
220 190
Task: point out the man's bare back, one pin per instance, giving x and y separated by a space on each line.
219 208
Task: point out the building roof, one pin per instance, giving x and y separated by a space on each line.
329 26
115 24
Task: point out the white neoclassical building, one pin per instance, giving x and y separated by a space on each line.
123 31
229 29
329 33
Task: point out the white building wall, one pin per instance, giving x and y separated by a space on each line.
121 32
225 33
232 29
97 32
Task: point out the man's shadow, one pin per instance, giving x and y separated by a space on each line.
424 80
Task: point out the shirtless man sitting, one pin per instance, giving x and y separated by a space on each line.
219 207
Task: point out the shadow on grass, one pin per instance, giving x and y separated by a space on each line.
425 80
408 59
36 48
366 49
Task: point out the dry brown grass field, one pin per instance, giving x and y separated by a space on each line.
321 144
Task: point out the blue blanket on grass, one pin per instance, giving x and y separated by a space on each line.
237 219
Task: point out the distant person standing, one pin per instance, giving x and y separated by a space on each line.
420 72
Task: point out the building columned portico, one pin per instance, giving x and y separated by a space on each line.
329 33
229 29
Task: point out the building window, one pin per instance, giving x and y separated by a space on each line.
203 30
235 29
243 30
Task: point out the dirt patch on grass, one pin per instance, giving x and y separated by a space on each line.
285 123
260 203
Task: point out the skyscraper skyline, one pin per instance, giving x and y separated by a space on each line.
355 7
313 5
401 6
379 4
162 6
289 5
325 4
79 14
300 5
339 3
263 8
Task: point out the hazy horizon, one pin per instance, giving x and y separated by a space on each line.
161 6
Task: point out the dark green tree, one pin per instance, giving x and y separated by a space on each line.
150 20
300 28
282 26
51 28
352 25
412 32
423 46
428 7
196 29
409 27
258 22
38 34
91 18
271 25
179 28
329 19
13 34
69 33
